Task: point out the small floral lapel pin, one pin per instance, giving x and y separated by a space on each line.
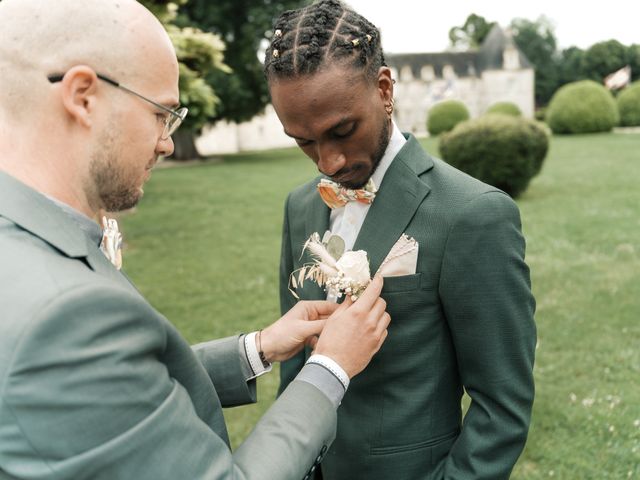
111 244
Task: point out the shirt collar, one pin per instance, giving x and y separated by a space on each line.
396 142
87 225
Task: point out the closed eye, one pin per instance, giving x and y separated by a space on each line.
302 142
344 131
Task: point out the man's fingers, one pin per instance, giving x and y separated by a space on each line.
378 308
312 342
319 309
384 322
343 306
383 337
308 329
372 292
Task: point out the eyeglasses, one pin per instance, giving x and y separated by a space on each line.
171 123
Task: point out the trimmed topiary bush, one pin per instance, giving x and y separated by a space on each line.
445 115
501 150
629 105
508 108
582 107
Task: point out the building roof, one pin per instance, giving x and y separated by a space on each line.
465 64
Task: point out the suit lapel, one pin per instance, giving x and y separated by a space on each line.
37 214
317 220
397 200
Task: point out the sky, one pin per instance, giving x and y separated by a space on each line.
423 26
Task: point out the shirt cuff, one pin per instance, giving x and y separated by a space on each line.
253 357
332 366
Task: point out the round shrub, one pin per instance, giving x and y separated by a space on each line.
445 115
501 150
582 107
508 108
629 105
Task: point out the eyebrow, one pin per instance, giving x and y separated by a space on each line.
338 124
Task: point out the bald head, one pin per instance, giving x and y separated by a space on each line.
80 139
115 37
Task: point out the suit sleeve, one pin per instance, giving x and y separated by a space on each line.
290 368
222 359
486 295
88 396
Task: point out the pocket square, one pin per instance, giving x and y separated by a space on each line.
402 259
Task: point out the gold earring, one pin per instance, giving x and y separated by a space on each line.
389 107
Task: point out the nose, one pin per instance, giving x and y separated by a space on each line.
330 160
165 147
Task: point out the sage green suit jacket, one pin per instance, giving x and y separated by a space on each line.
96 384
464 320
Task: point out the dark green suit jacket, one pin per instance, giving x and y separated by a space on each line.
95 384
463 321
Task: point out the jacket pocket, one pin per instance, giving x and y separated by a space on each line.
432 442
403 283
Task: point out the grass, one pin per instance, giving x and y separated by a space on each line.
203 247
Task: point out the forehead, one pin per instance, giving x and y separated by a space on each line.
321 98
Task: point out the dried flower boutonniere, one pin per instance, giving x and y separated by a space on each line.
338 271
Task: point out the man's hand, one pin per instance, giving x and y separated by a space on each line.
288 335
356 330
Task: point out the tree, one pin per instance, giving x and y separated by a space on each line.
633 60
199 54
537 41
244 25
603 58
472 33
570 66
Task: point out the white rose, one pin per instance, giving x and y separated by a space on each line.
355 265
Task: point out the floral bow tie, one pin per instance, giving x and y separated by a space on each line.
111 244
336 196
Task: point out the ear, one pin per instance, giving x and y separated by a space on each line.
385 84
78 93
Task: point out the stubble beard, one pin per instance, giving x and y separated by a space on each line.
376 158
114 190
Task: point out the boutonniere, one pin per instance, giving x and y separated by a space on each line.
339 272
111 244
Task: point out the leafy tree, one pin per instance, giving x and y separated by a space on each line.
570 66
537 41
633 60
243 25
603 58
472 33
200 54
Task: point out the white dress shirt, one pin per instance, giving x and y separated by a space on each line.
346 221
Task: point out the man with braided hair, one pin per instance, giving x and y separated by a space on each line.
462 313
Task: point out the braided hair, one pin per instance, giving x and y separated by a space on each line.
309 38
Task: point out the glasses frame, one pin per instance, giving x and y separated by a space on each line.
169 128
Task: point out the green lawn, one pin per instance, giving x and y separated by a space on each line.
203 246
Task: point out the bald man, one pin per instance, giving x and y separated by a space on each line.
94 383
